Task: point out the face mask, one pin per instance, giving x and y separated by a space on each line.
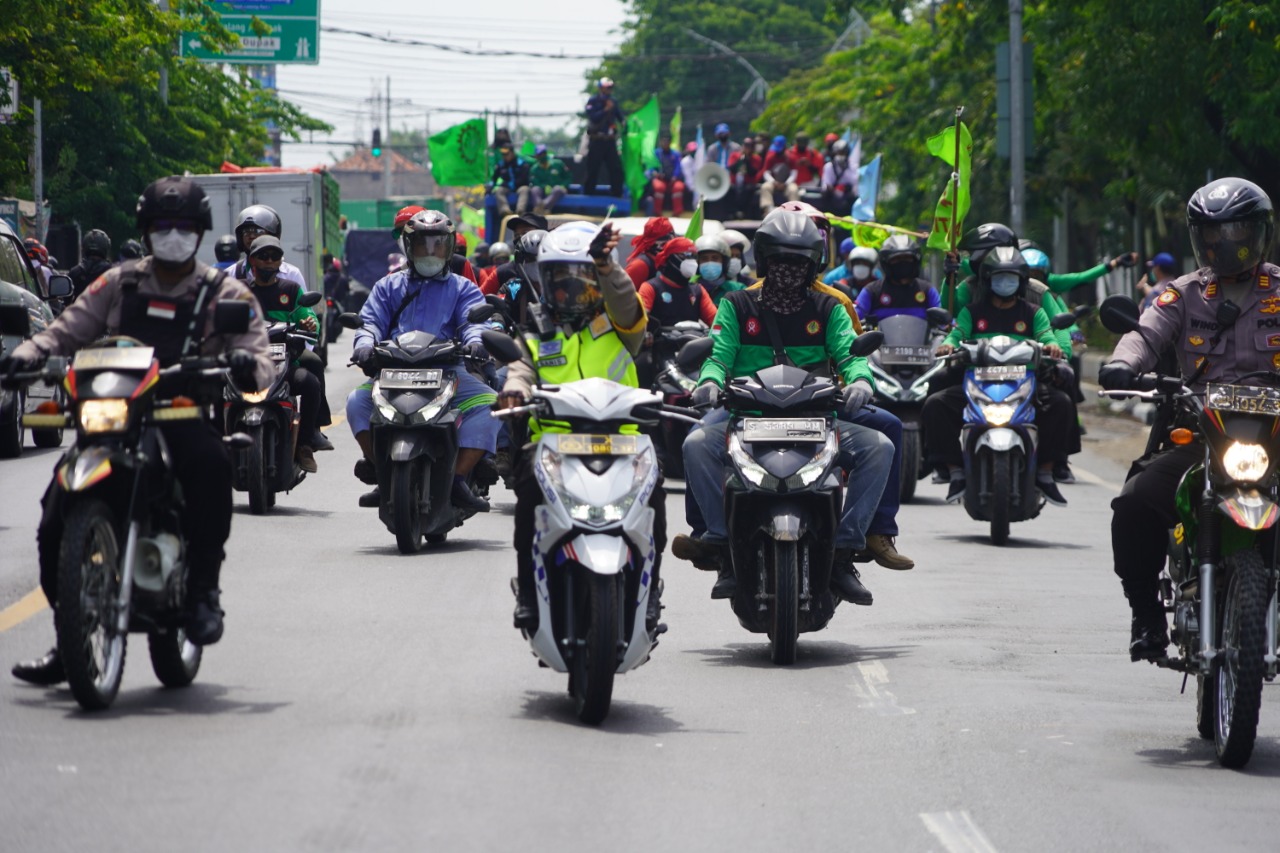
735 267
1005 284
264 275
711 270
860 271
688 268
785 286
174 246
429 267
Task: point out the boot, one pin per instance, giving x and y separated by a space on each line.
653 611
463 498
306 459
726 585
845 580
526 615
370 500
319 441
706 556
204 618
881 549
1148 633
45 671
366 472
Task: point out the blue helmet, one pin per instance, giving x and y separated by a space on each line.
846 246
1036 259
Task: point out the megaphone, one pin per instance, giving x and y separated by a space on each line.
712 181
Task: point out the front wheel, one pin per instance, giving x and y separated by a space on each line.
174 659
256 472
50 437
1241 669
998 506
596 659
91 648
11 427
406 505
910 465
785 633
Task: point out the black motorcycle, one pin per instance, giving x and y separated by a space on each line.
675 384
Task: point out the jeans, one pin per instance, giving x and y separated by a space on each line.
547 201
476 429
866 454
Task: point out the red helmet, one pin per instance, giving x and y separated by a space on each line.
36 250
461 248
405 214
830 138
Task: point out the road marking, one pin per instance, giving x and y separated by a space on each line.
957 832
873 677
30 604
336 421
1094 479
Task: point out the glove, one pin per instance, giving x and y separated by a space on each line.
362 354
1128 259
18 364
705 394
856 396
1063 375
603 243
242 364
476 350
1077 337
950 264
1117 376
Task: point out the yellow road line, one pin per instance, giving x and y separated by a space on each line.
336 421
30 604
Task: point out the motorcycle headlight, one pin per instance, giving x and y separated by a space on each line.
1245 463
384 406
104 415
438 404
597 514
748 467
998 414
255 396
813 469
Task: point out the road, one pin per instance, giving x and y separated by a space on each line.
364 700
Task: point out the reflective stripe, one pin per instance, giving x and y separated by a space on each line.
477 400
618 369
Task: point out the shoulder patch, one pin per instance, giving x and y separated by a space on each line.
1169 297
920 297
813 327
753 326
98 283
1211 290
600 325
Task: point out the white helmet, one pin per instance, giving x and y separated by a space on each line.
500 248
866 254
735 238
711 243
570 283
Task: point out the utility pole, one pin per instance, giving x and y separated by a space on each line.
164 68
759 86
1017 118
39 170
386 160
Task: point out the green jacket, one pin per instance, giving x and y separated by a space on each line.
724 288
554 174
820 333
1051 304
279 302
1022 322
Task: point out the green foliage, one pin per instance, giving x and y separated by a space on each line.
107 133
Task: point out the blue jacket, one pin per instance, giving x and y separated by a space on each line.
668 165
603 120
440 307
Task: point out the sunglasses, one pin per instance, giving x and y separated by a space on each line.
269 257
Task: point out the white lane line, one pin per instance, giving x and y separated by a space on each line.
957 832
1094 479
870 686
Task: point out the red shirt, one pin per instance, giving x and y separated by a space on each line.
641 269
752 170
807 164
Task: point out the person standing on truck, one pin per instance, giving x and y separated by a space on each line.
604 125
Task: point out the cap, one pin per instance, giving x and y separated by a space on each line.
779 143
605 82
533 220
266 241
539 150
722 127
1164 260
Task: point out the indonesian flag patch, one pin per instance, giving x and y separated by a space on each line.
162 310
715 330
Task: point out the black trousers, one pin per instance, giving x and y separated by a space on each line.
1143 514
315 367
603 152
529 496
203 468
304 384
943 416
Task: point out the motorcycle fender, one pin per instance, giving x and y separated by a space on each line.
85 468
543 641
1000 440
1249 509
408 446
599 552
786 524
252 417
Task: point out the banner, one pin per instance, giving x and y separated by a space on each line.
676 121
458 155
472 223
638 146
868 190
954 198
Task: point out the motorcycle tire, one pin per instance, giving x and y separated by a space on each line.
89 582
910 465
1242 668
785 633
596 660
256 472
174 660
406 505
1206 704
50 437
11 437
1001 478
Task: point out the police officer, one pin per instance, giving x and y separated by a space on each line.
1231 224
154 300
95 249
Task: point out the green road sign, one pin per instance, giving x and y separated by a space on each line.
294 36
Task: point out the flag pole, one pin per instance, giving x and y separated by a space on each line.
955 201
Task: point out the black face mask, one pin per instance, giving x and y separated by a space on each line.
786 284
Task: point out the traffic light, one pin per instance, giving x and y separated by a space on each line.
376 147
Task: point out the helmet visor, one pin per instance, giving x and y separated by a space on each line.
429 245
570 289
1229 248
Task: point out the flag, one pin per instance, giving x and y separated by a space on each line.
694 231
674 127
699 160
472 222
638 146
458 155
954 197
528 149
868 190
869 235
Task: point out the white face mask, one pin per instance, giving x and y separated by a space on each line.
174 246
429 267
735 267
860 271
688 268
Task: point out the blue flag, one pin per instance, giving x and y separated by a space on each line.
868 190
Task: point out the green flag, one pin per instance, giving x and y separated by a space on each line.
676 121
528 149
638 146
458 155
472 221
694 231
869 236
943 145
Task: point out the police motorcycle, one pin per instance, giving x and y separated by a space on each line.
121 566
593 542
269 416
1224 552
415 435
783 497
903 368
676 385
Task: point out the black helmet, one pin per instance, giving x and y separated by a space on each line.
96 244
259 217
174 198
900 257
788 232
1231 222
1003 260
984 238
131 250
227 248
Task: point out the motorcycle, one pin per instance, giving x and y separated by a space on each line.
270 417
783 498
415 436
121 565
675 386
593 547
903 369
1223 561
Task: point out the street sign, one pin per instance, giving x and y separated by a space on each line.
9 213
8 96
294 36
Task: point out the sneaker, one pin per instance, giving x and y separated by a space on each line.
726 585
1051 492
371 499
463 498
204 622
955 493
366 472
45 671
1062 473
846 583
306 459
704 555
882 550
319 441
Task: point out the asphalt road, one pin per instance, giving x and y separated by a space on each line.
364 700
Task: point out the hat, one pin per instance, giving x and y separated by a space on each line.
266 241
722 127
606 82
779 144
1164 260
533 220
539 150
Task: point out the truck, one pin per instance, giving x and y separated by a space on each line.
309 207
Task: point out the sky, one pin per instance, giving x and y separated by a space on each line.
424 80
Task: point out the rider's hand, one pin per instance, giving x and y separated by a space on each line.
705 394
951 263
308 323
1128 259
242 364
1117 376
1053 351
18 364
476 350
511 400
856 396
604 243
362 354
945 349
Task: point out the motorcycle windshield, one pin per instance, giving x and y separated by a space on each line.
903 330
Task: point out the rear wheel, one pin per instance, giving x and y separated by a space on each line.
406 503
596 658
910 465
786 603
1241 669
50 437
174 659
256 472
11 427
92 650
1001 474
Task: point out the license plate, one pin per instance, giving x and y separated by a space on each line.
906 355
279 352
114 358
410 379
1244 399
1000 373
598 445
784 429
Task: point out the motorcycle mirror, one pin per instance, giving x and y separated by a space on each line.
494 299
14 319
938 316
501 346
867 343
1062 321
693 354
232 316
480 313
350 321
310 298
1082 311
60 287
238 441
1119 314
